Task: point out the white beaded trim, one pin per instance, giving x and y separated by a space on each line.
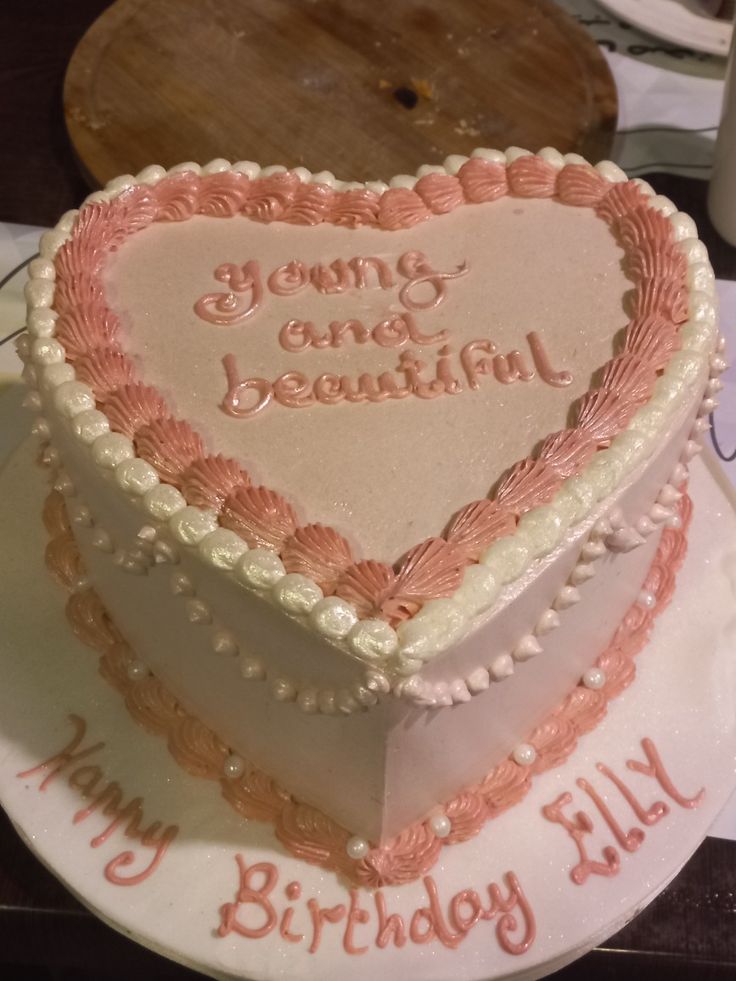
440 623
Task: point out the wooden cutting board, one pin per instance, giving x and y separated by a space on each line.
362 88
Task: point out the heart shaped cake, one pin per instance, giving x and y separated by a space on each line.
368 479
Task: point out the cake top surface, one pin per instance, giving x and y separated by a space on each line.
463 288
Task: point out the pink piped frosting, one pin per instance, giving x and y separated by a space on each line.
105 369
90 332
131 407
170 445
208 481
318 552
260 516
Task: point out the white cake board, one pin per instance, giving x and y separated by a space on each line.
683 698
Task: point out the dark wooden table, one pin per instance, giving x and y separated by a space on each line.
689 932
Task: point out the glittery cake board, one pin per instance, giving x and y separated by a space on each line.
501 905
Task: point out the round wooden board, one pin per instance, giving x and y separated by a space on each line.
352 86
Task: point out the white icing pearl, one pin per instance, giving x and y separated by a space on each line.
594 678
130 565
662 204
373 640
646 599
189 167
574 158
454 162
307 701
593 550
283 690
440 825
164 553
41 269
63 484
357 848
296 593
181 585
403 180
327 702
674 522
302 173
53 375
377 681
260 568
119 184
552 157
163 501
345 702
515 153
436 627
42 323
150 175
90 425
247 167
683 226
38 293
40 428
233 767
527 647
68 220
191 524
323 177
136 476
415 690
334 617
216 166
97 197
110 449
611 172
524 754
222 548
426 169
492 156
136 670
224 643
548 621
51 242
700 277
273 169
251 668
364 696
701 308
23 347
80 515
568 596
508 558
47 351
50 457
32 401
198 612
582 572
502 667
101 540
478 680
478 591
73 397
